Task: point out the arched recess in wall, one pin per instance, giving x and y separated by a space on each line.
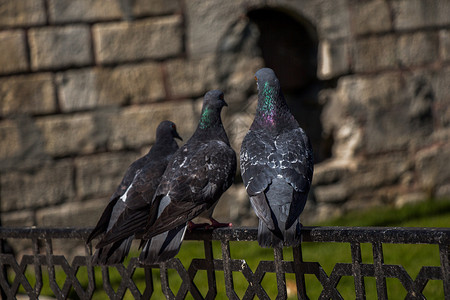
289 46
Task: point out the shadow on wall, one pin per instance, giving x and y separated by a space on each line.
289 46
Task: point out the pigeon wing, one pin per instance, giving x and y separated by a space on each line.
263 158
193 184
296 167
104 221
137 201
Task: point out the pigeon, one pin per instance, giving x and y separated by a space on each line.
133 195
199 173
276 161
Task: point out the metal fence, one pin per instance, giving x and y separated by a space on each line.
43 258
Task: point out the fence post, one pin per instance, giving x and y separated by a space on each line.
356 270
444 253
209 256
378 261
299 272
279 270
227 270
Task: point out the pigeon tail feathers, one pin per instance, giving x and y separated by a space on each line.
114 253
163 247
276 238
279 196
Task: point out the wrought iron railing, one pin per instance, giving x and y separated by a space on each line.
43 257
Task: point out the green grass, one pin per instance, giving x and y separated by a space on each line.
431 213
412 257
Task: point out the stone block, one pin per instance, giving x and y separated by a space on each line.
371 16
441 91
74 214
190 78
22 145
334 193
432 170
375 53
367 91
309 9
22 13
48 185
60 47
155 7
18 218
381 110
378 172
444 42
414 14
207 22
65 11
153 38
89 88
329 172
11 140
27 94
400 118
99 175
418 48
362 202
334 59
14 56
67 135
81 89
135 126
334 21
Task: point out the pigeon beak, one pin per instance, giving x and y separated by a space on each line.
176 135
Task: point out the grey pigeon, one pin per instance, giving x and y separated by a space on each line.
276 165
133 196
201 170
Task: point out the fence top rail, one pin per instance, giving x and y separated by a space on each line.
397 235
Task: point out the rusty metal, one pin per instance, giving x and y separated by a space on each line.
43 258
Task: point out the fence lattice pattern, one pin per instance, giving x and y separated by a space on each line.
44 258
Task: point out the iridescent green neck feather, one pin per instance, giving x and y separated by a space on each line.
205 118
267 107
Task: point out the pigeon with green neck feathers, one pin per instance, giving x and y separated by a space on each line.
199 173
276 165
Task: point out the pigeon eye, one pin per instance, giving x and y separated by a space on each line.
256 78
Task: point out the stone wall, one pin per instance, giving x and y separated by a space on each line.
83 85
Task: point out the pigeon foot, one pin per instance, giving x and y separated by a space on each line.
192 225
217 224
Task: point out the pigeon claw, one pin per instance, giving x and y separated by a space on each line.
214 224
193 226
217 224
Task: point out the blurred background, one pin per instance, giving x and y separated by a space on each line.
84 84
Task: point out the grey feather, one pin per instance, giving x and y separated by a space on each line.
276 165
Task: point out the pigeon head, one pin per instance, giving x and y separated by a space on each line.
214 99
267 81
212 106
167 129
272 110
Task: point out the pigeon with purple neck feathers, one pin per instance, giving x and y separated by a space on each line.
276 165
199 173
133 196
